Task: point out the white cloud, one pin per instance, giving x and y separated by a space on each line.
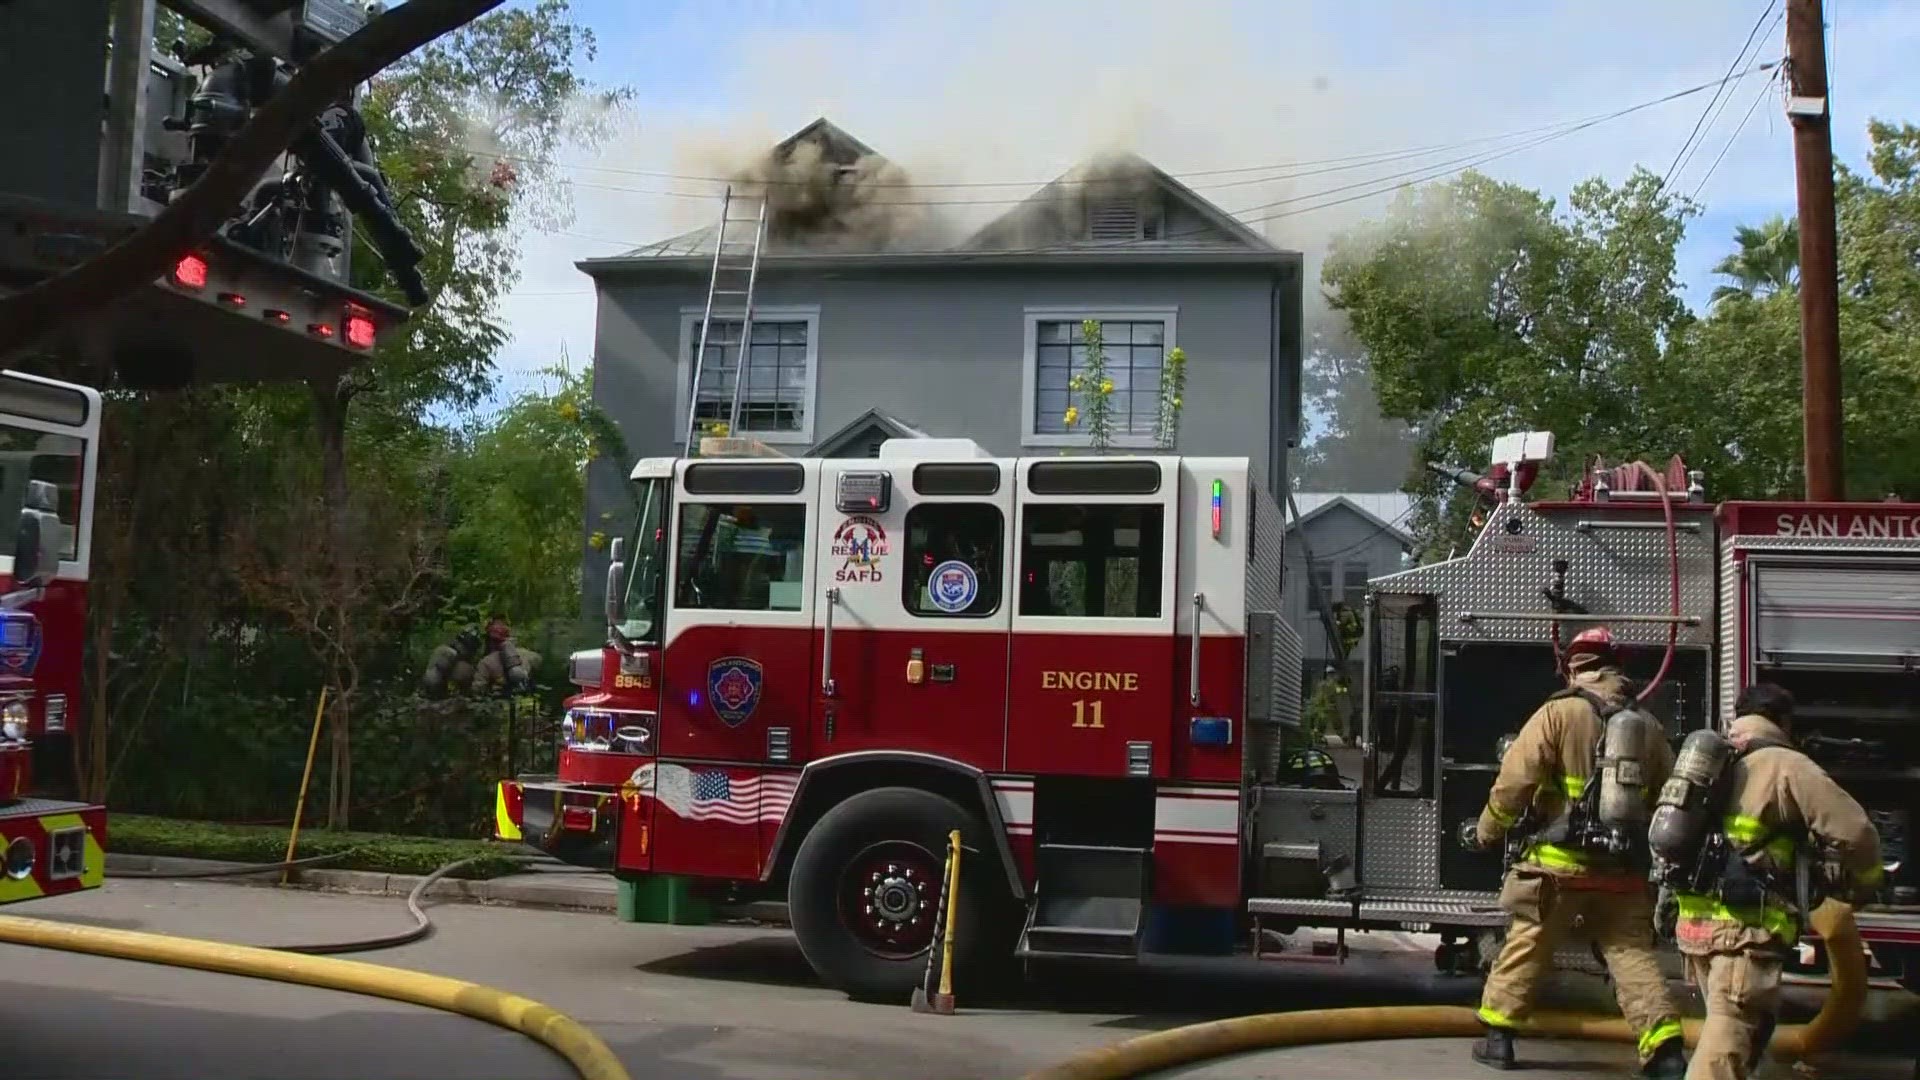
976 90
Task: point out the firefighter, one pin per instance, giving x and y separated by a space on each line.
1735 951
1562 877
505 663
451 668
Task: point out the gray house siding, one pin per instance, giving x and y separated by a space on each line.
946 348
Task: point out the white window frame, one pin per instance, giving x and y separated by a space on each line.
1030 365
690 317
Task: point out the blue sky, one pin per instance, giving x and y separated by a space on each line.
998 90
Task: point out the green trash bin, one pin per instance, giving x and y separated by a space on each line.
662 898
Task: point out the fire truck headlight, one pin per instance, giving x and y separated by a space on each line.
569 727
13 720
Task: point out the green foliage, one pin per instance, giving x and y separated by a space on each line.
518 490
1173 389
1481 311
1326 709
240 563
138 834
1767 260
1094 391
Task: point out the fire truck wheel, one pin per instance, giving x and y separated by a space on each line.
864 895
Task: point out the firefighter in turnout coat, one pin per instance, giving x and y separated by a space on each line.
1556 884
1779 806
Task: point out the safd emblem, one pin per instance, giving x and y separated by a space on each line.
19 642
733 688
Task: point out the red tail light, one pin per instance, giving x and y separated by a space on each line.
190 272
359 330
320 329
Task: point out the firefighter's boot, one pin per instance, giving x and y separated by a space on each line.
1495 1049
1669 1062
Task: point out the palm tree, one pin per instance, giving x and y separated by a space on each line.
1768 260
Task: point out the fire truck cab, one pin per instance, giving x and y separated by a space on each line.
49 446
818 667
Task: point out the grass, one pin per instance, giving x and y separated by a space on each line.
138 834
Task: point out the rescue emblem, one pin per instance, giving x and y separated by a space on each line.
953 586
733 688
860 542
20 641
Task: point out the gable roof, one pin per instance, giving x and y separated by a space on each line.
1220 239
887 425
1387 511
1068 195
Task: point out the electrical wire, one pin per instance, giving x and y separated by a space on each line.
1757 99
1674 167
1724 102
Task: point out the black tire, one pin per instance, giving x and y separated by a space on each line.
916 823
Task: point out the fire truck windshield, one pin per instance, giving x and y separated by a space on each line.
27 454
646 564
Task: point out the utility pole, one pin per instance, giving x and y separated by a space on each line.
1812 119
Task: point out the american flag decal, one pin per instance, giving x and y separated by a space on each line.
714 795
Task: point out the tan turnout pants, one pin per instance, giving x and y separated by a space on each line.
1546 913
1742 991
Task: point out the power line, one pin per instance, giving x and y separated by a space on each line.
1303 167
1757 99
1341 192
1673 167
1724 102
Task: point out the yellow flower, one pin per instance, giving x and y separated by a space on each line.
718 430
1106 386
1176 402
1073 414
598 540
1074 383
569 411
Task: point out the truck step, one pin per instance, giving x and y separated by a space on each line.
1089 900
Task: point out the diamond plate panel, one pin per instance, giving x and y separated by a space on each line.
1730 660
1611 571
1401 846
1299 815
1334 910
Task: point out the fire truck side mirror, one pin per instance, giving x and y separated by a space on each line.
616 585
35 556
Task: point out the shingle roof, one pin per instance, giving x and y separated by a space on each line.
1388 509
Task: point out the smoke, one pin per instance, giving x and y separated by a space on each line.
1285 115
823 198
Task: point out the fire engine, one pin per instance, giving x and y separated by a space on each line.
817 667
48 457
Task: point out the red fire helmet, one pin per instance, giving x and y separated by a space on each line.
1598 640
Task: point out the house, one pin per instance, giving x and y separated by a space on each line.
1351 537
874 317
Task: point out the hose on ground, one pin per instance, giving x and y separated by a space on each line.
565 1035
422 922
1838 1017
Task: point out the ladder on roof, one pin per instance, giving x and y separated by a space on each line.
736 269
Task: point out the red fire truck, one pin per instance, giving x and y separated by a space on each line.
816 668
48 455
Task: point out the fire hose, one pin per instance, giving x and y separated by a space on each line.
1838 1017
304 965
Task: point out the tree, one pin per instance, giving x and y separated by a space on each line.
1353 447
518 488
1482 311
1768 260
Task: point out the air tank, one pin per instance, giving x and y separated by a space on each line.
1622 805
1682 817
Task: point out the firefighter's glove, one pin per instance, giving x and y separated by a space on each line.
1666 915
518 683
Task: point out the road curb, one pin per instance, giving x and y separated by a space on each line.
583 891
576 892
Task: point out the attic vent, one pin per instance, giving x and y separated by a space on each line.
1124 219
1114 219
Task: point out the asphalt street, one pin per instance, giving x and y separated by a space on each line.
686 1003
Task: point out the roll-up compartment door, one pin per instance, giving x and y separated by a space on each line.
1837 614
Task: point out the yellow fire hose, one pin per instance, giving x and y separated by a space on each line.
563 1034
1838 1017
